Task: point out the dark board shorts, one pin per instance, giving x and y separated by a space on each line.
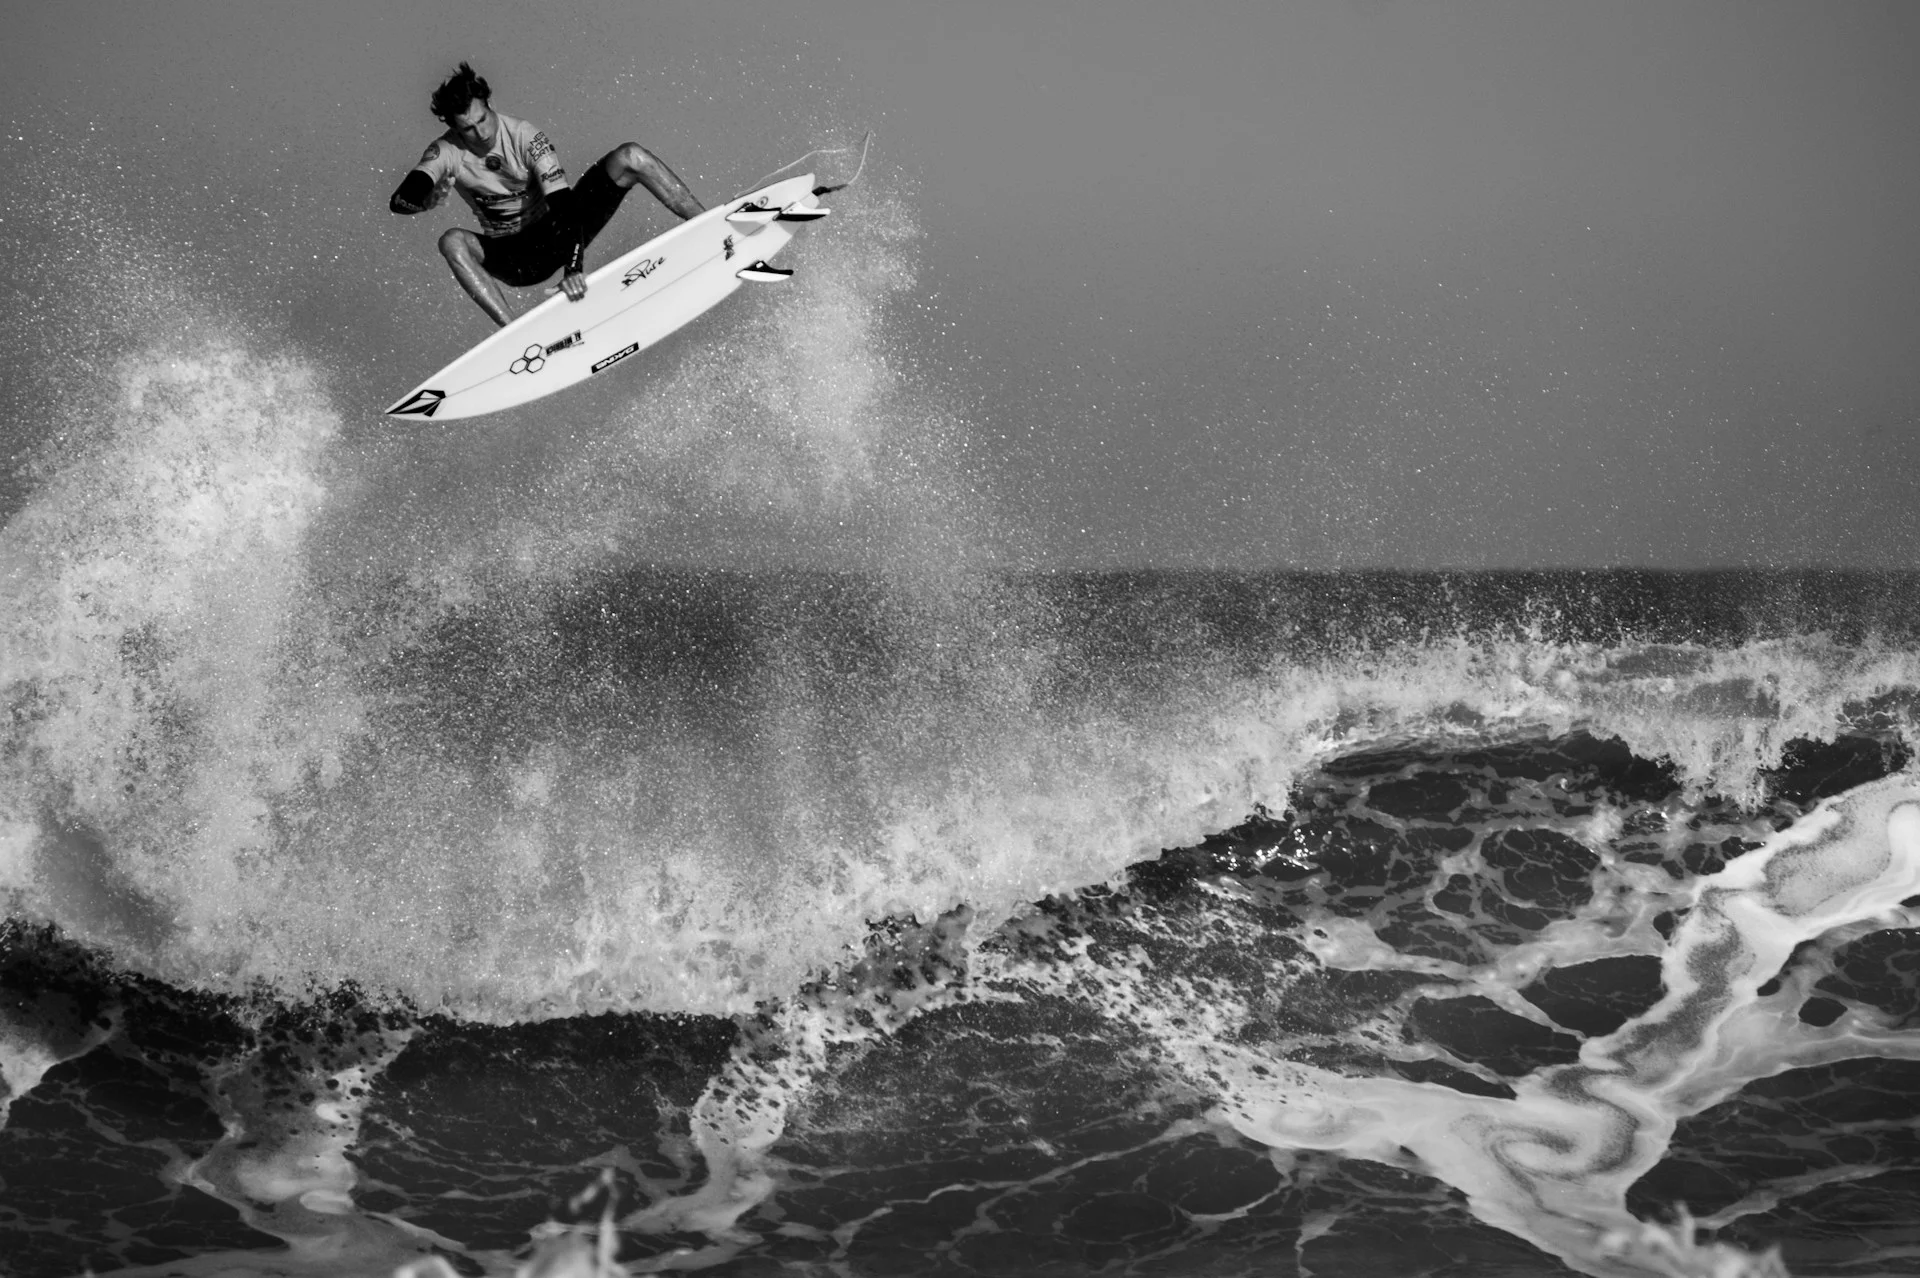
529 256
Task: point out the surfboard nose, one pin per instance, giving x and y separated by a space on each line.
421 403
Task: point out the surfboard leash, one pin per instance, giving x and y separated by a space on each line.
865 143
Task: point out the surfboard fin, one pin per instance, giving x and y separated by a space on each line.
750 216
761 273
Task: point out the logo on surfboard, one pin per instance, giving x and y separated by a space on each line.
420 404
727 244
641 269
617 356
534 358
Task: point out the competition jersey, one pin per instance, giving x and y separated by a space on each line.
507 188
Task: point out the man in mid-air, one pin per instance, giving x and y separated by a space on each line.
532 222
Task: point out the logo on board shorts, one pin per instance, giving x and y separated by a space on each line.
617 356
419 404
641 269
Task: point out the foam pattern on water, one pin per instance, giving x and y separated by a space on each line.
334 753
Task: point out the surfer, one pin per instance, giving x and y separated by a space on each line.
533 222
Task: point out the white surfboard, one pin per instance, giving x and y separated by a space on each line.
631 303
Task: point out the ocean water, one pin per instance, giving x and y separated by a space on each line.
668 821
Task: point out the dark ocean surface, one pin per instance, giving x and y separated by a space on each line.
401 864
812 923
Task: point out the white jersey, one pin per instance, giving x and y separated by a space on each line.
507 188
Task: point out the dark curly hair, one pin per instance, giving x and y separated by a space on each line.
459 91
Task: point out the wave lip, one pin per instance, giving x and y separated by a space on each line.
532 799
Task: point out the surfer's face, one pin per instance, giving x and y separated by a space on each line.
475 126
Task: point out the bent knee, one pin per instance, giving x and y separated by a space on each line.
459 245
630 157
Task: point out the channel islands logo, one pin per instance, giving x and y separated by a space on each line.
534 358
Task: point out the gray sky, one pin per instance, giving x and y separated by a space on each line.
1208 283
